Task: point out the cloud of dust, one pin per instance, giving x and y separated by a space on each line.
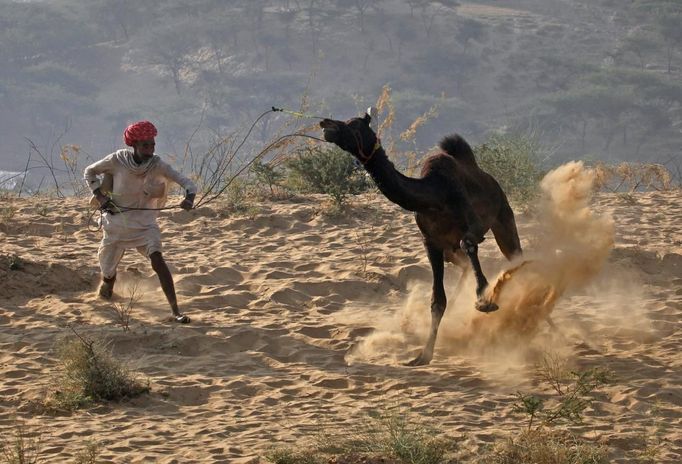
140 288
572 248
391 333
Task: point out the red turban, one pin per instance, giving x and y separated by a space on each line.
142 130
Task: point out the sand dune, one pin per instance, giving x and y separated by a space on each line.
302 321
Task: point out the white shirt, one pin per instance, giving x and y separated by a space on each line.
136 186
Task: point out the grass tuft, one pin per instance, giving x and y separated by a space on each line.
391 437
544 446
89 454
20 447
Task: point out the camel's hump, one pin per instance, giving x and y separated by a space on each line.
455 146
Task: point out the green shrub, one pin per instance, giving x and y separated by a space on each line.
236 198
573 391
91 374
267 176
328 171
515 162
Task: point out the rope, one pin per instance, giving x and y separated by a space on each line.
221 171
296 113
119 210
201 202
220 174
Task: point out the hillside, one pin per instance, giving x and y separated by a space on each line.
590 79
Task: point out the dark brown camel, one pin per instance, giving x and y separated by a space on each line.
455 203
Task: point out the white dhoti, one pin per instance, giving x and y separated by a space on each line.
117 240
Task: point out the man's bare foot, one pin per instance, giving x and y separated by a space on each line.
180 318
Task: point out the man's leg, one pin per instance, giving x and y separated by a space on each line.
161 268
109 256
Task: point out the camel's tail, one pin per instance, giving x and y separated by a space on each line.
455 146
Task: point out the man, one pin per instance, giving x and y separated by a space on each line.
140 184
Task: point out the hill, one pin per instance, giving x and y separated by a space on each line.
590 79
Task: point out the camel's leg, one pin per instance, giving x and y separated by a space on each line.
471 250
438 304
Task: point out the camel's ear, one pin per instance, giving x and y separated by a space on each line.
367 118
373 114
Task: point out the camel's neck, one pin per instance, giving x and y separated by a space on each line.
402 190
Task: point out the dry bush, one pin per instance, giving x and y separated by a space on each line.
631 177
7 213
123 311
89 454
20 447
543 446
70 154
90 374
408 161
363 240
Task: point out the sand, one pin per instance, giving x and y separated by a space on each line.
301 322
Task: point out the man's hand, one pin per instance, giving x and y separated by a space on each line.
110 207
105 203
188 202
101 198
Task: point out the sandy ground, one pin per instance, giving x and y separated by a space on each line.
301 322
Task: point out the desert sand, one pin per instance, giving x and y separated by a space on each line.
301 321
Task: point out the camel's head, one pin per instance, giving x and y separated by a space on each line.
354 136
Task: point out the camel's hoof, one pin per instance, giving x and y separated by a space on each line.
420 360
486 306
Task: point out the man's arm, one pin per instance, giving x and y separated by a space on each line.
91 174
185 182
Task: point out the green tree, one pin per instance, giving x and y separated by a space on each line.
670 28
641 43
361 7
170 46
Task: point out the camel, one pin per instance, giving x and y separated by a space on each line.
455 203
